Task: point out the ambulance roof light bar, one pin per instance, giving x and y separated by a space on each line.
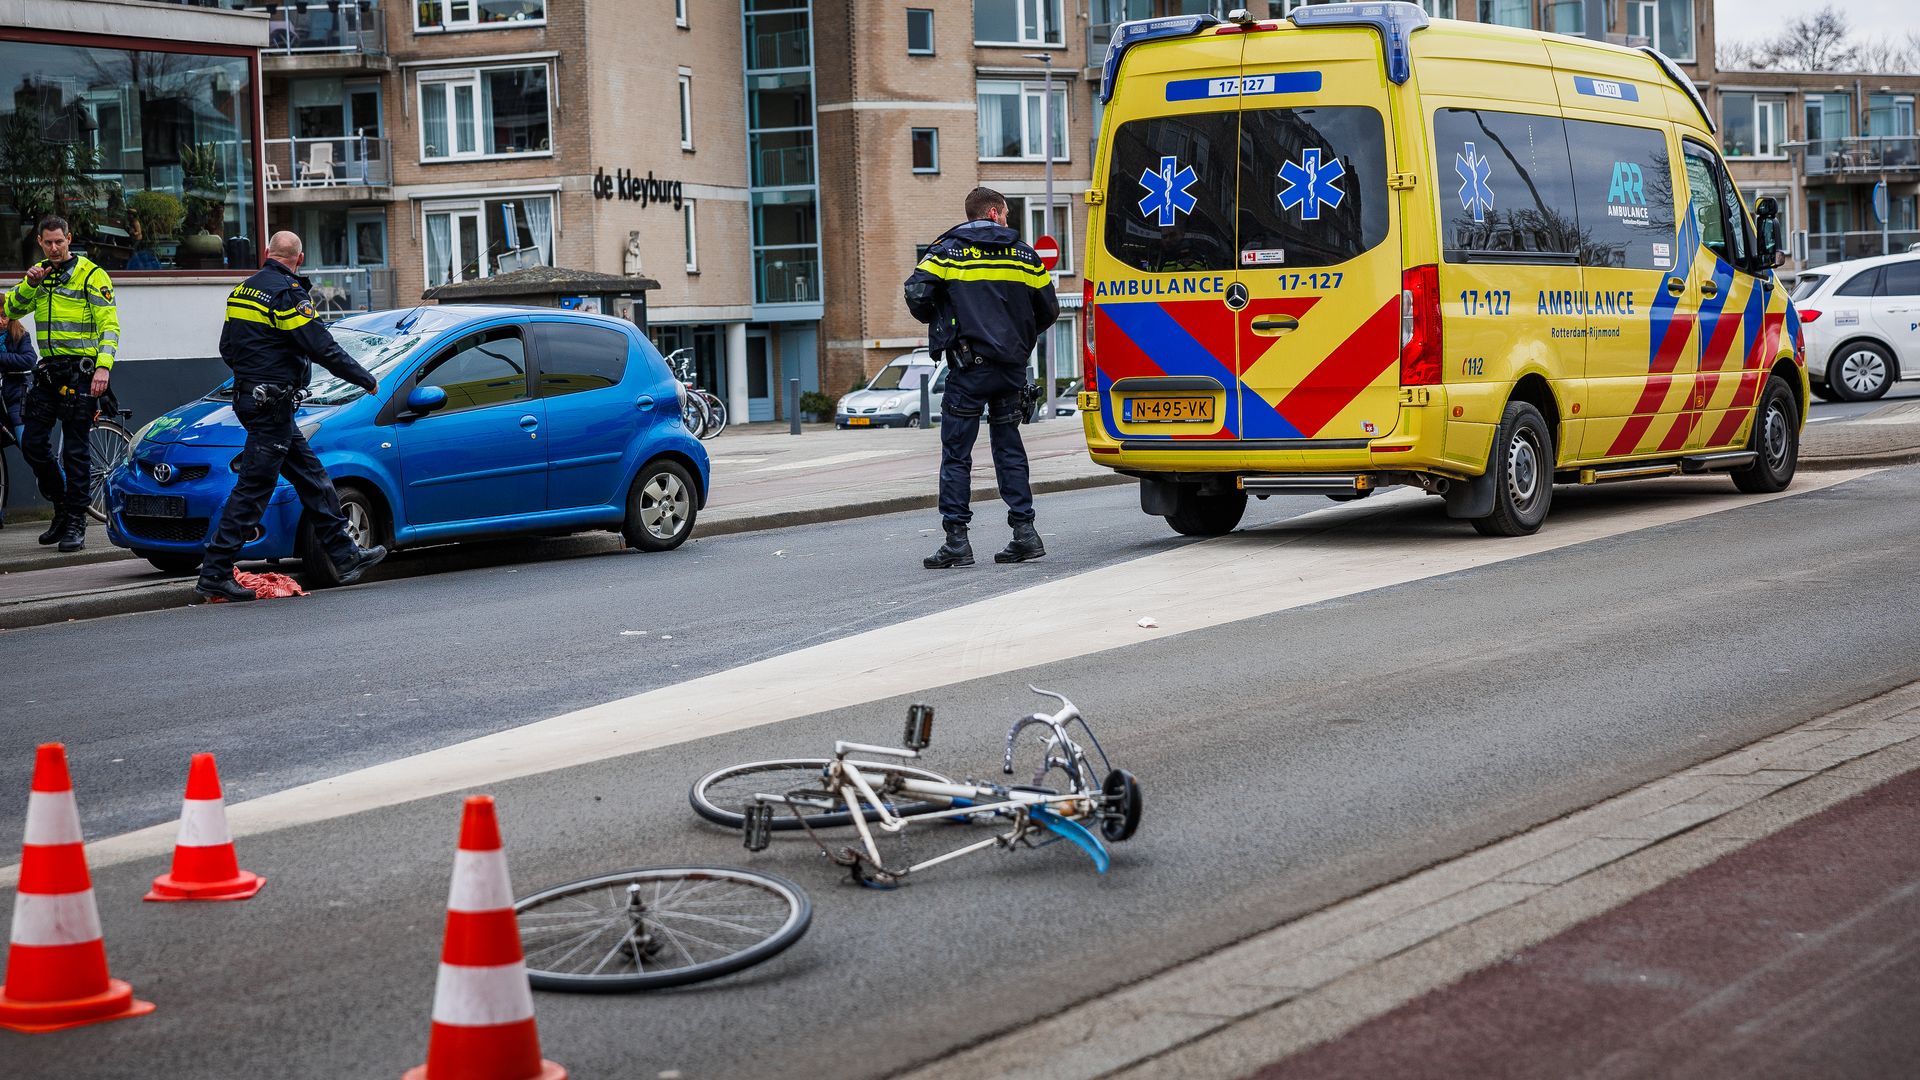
1680 79
1129 34
1395 20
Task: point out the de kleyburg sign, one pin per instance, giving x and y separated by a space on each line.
627 187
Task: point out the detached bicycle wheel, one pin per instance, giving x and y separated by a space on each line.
657 927
722 796
109 446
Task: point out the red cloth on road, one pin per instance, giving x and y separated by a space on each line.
268 586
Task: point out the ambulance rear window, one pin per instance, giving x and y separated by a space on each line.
1312 189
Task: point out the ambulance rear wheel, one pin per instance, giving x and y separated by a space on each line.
1775 441
1522 468
1200 513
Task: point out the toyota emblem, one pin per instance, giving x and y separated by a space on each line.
1236 296
163 472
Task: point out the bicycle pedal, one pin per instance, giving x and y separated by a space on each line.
919 734
757 828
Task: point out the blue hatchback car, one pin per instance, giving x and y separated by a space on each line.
489 421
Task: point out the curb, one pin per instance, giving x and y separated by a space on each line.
157 595
1879 459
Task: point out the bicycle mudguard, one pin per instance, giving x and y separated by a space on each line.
1075 833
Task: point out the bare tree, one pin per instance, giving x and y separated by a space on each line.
1739 54
1820 41
1878 54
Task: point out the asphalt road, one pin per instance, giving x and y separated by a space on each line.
1288 760
1826 412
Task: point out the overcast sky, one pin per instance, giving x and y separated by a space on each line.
1747 19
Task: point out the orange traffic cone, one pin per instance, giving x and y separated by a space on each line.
482 1004
57 964
204 864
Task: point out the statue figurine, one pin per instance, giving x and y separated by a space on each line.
633 254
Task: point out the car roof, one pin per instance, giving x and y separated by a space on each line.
1850 266
433 318
917 356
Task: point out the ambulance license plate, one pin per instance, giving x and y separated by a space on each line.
858 421
160 506
1169 410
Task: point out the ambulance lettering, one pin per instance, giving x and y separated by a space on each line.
1204 285
1573 302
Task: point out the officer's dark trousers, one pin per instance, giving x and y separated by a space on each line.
275 448
64 483
993 389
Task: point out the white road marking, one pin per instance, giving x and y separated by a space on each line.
1324 555
831 459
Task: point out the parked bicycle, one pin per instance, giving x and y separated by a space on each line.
1068 798
701 410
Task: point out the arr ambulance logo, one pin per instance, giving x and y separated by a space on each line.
1627 192
1167 196
1476 194
1310 183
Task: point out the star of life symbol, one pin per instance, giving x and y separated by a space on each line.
1475 193
1167 195
1311 184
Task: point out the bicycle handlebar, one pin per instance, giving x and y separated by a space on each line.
1053 720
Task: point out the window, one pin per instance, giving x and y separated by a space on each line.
919 32
1673 29
690 234
1901 279
151 154
1865 283
1506 186
1717 209
1439 9
476 240
1642 15
926 150
1017 22
433 16
1061 345
481 369
1752 125
490 112
680 13
1567 17
1028 215
1623 185
1010 121
686 110
574 357
1507 12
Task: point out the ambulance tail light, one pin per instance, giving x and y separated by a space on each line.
1808 315
1088 381
1420 326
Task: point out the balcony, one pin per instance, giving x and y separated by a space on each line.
1824 248
1863 156
782 166
787 276
356 291
319 36
354 168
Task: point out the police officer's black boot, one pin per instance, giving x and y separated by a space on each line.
55 529
364 559
1024 546
955 552
75 536
224 591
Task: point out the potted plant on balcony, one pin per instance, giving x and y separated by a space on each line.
206 203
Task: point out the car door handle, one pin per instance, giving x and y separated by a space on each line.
1709 289
529 422
1676 286
1275 325
644 403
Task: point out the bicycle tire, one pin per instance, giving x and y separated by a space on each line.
576 923
780 776
693 413
109 446
716 415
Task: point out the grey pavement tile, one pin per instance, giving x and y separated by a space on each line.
1069 1050
1384 940
1470 905
1574 861
1664 823
1737 792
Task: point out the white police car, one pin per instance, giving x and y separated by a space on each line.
1861 320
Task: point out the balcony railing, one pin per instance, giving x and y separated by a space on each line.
777 49
323 26
783 166
322 163
1824 248
1863 154
787 276
356 291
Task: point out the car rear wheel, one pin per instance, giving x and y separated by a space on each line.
1201 513
1523 473
660 507
1860 371
171 563
364 527
1776 441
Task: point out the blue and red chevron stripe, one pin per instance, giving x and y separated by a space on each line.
1671 330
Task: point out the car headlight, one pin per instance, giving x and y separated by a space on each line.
892 402
141 435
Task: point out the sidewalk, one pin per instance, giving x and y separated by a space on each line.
763 478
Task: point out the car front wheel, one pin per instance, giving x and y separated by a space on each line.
660 507
1861 371
363 528
1775 442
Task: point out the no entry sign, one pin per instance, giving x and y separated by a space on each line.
1049 251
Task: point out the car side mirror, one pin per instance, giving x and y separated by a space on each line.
1766 218
422 400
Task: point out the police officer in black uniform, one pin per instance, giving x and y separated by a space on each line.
986 300
270 338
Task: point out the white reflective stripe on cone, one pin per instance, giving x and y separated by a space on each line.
480 881
52 818
203 823
482 996
56 919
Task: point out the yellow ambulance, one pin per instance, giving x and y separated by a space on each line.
1358 248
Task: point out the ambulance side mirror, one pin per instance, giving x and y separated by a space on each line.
1766 217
